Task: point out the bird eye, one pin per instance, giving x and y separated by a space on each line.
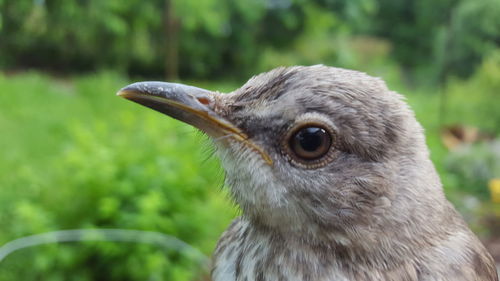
310 143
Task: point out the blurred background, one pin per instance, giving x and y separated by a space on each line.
75 156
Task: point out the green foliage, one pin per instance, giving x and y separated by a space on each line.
472 35
435 39
130 36
473 101
474 165
429 39
77 156
78 34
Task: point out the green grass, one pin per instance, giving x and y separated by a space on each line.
76 156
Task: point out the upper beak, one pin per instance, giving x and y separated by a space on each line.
189 104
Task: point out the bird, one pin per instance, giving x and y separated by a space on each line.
333 177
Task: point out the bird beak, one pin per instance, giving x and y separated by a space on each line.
188 104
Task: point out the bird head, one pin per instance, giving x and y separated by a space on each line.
308 149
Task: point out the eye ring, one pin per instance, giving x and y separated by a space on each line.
310 144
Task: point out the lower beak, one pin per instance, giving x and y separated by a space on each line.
188 104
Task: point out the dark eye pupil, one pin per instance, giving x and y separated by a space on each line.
310 143
310 138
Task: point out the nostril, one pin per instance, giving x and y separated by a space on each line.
203 100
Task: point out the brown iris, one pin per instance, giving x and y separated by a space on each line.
310 143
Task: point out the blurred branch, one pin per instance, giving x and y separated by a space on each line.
171 42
